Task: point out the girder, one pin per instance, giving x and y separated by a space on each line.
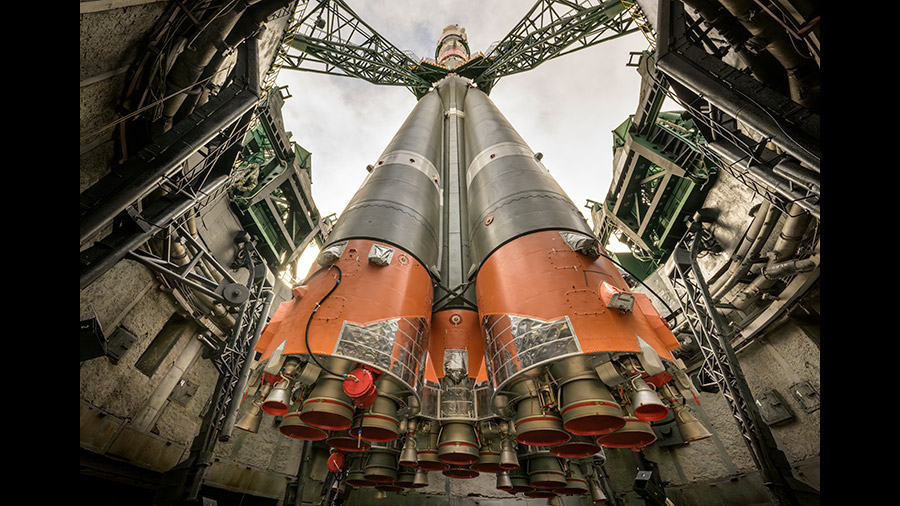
333 40
182 483
553 28
721 365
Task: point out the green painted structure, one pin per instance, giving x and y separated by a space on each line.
663 178
271 186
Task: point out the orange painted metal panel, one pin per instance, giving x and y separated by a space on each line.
539 276
367 293
457 329
272 327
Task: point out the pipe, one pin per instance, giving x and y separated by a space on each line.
734 156
249 22
807 13
672 61
762 64
179 254
797 174
155 162
192 61
607 486
241 385
790 267
741 253
131 242
676 67
252 19
216 179
783 188
791 235
803 74
771 219
784 249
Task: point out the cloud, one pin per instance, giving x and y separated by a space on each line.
565 108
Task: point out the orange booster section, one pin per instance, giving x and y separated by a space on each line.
571 350
559 359
377 313
455 330
539 300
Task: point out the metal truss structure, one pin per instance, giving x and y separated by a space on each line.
332 39
270 194
190 166
721 365
552 29
171 165
232 360
718 96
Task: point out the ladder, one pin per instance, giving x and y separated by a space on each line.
641 21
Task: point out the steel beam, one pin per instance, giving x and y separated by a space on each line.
104 254
553 28
331 39
335 41
787 124
142 173
91 6
182 483
721 363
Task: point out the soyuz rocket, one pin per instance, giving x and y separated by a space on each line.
463 318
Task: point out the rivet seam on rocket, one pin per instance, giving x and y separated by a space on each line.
538 276
399 293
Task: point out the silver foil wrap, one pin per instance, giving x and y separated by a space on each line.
331 253
380 254
396 345
431 394
457 399
483 393
584 244
456 364
515 343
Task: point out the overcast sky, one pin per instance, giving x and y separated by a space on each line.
565 108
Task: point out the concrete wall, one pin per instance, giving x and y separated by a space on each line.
125 415
720 470
130 417
444 491
110 41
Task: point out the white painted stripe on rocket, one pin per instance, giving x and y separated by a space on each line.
412 159
494 152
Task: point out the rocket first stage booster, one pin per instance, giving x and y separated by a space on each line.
554 310
360 321
463 318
